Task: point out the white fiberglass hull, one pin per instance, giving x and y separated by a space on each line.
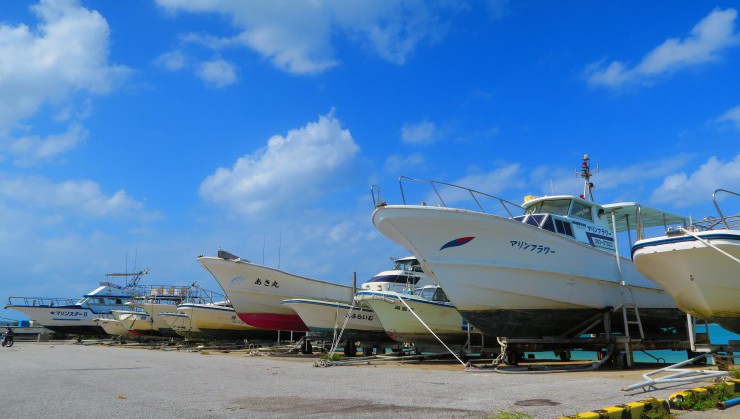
701 280
74 320
113 327
327 318
516 280
181 324
257 292
402 326
140 324
153 310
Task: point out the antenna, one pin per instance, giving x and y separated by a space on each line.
586 175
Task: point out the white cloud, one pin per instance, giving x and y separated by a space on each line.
424 132
31 150
732 116
296 36
73 197
396 163
712 35
67 52
173 60
291 171
681 189
217 73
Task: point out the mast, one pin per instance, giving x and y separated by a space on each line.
586 175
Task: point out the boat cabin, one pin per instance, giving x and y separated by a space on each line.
432 293
570 216
405 275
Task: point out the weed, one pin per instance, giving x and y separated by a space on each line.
735 374
657 414
335 357
707 400
205 353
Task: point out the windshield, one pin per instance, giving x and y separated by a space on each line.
555 206
396 279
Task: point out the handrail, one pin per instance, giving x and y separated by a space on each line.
472 192
714 199
379 202
41 301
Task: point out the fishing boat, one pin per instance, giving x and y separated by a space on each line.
219 320
181 324
699 266
430 303
136 321
325 318
114 328
256 292
154 300
75 317
553 270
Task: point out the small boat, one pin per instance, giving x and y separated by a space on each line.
114 328
327 317
218 320
181 324
136 321
699 266
552 271
256 292
63 315
158 299
430 303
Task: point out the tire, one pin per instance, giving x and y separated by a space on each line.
9 343
350 349
306 347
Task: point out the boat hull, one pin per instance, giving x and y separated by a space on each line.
219 322
505 269
181 324
73 320
327 318
702 281
257 292
159 323
444 320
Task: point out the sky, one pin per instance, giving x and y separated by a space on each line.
146 133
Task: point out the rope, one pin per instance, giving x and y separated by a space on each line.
709 244
543 369
430 330
339 337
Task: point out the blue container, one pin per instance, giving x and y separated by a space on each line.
24 323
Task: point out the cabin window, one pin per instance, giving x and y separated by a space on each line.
563 227
440 296
555 206
428 294
397 279
581 211
531 220
548 225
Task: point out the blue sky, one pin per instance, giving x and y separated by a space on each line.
165 129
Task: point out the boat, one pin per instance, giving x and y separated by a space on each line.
699 266
136 321
114 328
181 324
75 317
325 318
548 268
430 303
154 300
218 320
256 292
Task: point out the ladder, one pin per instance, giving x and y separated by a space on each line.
636 320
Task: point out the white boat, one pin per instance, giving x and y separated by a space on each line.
430 303
327 317
219 321
155 300
699 266
181 324
137 322
114 328
256 292
76 317
552 271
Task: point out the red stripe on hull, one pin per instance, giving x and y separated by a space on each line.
274 321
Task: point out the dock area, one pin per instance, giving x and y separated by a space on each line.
67 380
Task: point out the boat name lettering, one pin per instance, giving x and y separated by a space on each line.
360 316
599 230
579 224
531 247
267 283
69 313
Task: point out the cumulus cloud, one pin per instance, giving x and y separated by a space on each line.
67 52
291 170
173 60
705 43
217 73
73 197
296 36
424 132
682 190
396 163
732 117
32 150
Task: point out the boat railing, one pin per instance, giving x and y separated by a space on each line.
731 221
457 193
40 302
176 294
